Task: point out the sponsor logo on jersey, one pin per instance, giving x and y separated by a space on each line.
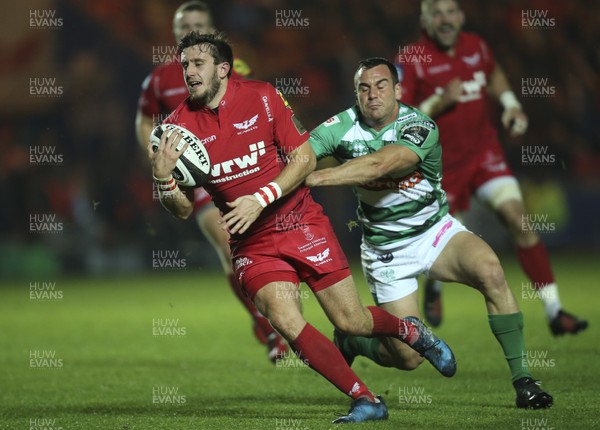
307 233
472 88
320 258
246 124
407 117
331 121
208 139
359 148
285 102
265 100
401 184
312 243
416 132
245 163
473 59
242 262
386 258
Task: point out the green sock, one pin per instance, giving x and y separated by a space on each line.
365 346
508 329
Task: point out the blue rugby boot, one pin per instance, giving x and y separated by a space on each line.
362 410
434 349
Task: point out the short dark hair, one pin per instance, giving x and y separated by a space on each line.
218 46
194 6
371 62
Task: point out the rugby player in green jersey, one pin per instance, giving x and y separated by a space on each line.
390 153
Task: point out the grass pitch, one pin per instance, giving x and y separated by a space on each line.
174 350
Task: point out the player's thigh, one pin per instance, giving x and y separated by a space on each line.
467 259
279 302
342 305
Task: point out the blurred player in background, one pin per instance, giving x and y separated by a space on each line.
162 91
391 154
260 156
448 74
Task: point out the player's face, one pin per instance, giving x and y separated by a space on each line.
442 20
203 78
186 22
377 96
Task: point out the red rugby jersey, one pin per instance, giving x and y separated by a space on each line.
466 127
247 138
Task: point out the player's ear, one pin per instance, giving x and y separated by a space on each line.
398 91
223 69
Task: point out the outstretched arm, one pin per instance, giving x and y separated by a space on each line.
391 159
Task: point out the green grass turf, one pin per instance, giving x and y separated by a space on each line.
101 329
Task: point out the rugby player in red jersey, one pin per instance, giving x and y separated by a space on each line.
451 75
162 91
279 236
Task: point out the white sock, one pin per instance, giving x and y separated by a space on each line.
549 296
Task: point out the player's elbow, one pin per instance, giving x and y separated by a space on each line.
185 212
183 215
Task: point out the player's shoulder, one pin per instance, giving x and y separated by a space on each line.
254 86
410 114
416 128
471 40
340 122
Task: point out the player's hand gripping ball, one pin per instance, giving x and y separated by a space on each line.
193 167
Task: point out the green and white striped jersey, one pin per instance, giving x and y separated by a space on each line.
390 208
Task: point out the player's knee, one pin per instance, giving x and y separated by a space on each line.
491 275
352 323
288 327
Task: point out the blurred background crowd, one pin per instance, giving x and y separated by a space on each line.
71 85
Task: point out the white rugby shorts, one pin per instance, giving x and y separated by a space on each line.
392 273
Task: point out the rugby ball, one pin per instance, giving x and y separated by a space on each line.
193 167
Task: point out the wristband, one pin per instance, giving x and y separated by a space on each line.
168 192
166 184
268 194
163 180
509 100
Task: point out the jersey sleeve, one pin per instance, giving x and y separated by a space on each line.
148 102
323 138
421 136
288 131
407 75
